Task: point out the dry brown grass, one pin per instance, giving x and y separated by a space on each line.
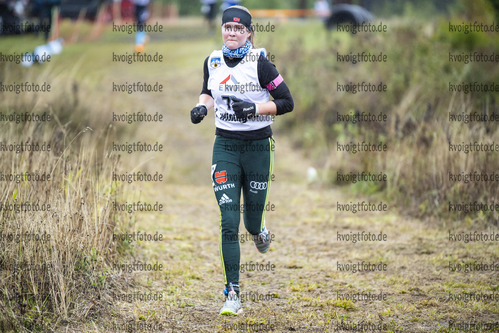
417 104
58 277
305 282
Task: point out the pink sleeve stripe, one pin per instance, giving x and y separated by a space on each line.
275 83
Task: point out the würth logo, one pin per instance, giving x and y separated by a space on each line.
221 177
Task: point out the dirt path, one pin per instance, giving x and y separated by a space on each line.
308 291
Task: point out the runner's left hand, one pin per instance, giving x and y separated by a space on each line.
243 109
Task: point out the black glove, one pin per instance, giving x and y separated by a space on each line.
198 113
243 109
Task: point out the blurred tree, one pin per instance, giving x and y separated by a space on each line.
185 7
378 7
495 4
477 10
276 4
302 5
425 8
193 7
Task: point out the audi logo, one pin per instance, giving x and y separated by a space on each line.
258 185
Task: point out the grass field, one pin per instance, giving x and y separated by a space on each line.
423 287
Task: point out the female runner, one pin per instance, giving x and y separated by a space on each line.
237 82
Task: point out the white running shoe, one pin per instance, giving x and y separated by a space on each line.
232 305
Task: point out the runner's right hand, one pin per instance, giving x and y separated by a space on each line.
198 113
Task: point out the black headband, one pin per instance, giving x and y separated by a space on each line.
237 15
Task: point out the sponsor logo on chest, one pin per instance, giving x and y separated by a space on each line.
231 84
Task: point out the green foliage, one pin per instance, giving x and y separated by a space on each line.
410 8
417 104
495 4
380 8
276 4
193 7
